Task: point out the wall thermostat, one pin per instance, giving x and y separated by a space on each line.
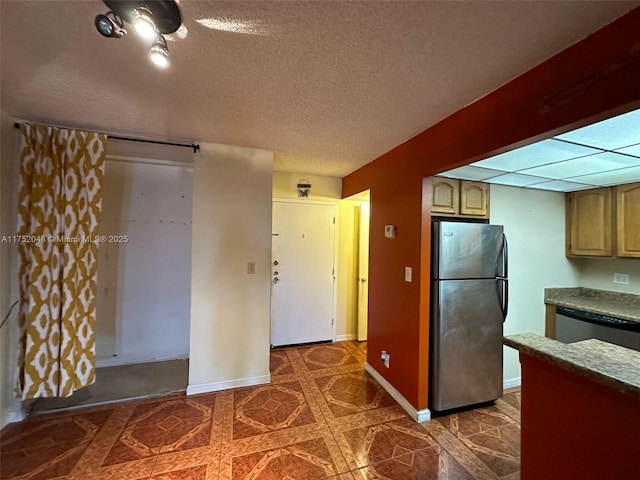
389 231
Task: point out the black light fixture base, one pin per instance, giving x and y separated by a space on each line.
166 13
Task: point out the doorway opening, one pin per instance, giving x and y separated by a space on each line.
362 215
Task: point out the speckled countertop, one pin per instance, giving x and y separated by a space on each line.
610 365
621 305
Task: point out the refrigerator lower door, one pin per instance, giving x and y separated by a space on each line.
466 343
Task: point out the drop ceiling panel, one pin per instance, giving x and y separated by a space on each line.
583 166
469 172
632 150
517 180
562 186
612 177
611 134
561 165
541 153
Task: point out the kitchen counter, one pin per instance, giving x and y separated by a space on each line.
579 414
621 305
604 363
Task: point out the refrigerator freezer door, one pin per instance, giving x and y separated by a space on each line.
466 344
467 250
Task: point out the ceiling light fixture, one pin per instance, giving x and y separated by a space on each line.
110 25
151 19
143 22
159 53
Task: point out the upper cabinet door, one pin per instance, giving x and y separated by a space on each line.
474 199
628 220
446 196
589 229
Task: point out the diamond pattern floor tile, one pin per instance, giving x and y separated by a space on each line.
321 417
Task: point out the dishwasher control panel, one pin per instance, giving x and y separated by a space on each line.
574 325
600 319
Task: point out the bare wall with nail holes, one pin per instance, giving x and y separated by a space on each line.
144 266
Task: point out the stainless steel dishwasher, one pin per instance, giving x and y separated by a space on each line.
573 325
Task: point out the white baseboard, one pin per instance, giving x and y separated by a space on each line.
226 384
512 382
418 415
11 417
344 338
118 361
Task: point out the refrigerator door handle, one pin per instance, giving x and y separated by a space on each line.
505 256
505 299
504 279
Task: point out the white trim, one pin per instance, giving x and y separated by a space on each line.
344 338
226 384
118 360
418 415
11 417
512 382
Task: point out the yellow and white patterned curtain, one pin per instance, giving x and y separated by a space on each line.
59 209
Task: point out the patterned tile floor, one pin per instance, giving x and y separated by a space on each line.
321 417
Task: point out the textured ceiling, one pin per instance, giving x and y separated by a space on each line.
329 86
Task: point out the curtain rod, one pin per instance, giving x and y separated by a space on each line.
195 146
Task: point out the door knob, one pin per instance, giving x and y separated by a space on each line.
276 280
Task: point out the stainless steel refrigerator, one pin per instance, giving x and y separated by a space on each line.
469 301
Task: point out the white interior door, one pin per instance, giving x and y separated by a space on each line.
363 272
302 273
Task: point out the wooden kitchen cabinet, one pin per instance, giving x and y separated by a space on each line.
474 199
602 222
446 196
589 228
459 198
628 220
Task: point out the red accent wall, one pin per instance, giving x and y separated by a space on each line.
575 428
596 78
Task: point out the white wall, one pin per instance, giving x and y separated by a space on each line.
10 406
534 224
230 309
598 273
144 295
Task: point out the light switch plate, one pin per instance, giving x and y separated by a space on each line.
251 268
389 231
408 274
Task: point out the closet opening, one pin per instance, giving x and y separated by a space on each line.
144 276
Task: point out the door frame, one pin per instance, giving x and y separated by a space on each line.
336 210
360 328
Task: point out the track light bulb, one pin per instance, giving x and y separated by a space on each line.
143 22
159 53
109 25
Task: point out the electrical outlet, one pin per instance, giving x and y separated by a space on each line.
621 278
385 357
